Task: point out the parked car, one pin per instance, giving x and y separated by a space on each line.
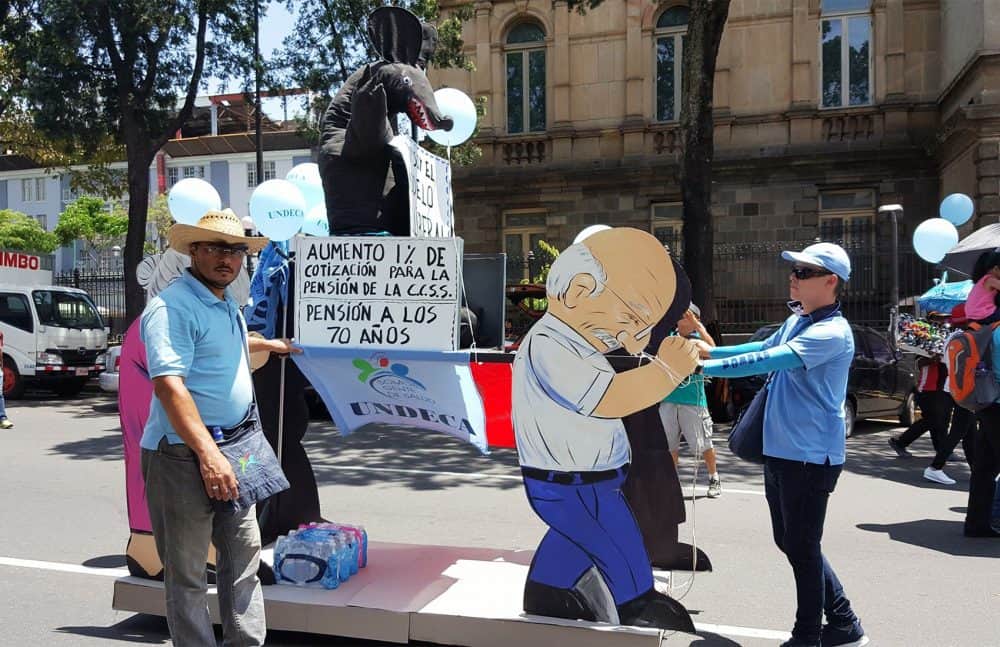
109 378
881 383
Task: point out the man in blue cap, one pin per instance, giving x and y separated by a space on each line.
808 358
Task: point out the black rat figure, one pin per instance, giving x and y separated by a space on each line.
364 178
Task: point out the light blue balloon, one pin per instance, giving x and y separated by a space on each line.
457 105
192 198
316 223
277 209
306 177
933 238
957 208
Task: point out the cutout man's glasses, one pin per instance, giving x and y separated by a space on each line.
803 273
648 327
225 250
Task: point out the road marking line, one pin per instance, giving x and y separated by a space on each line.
743 632
63 568
688 494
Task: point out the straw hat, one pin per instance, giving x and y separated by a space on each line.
215 226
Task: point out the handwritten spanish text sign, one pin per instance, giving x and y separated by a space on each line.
378 292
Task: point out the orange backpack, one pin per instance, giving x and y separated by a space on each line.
971 380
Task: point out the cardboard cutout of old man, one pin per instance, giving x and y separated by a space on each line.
604 294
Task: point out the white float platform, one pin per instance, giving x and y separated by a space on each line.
440 594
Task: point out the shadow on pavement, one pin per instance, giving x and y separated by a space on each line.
939 535
107 448
106 561
709 639
140 628
407 457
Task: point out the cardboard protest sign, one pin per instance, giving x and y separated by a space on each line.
378 292
431 203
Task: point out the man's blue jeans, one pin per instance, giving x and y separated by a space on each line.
797 494
589 525
184 522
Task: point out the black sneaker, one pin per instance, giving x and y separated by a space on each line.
795 642
899 448
850 636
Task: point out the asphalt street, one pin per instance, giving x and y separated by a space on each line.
894 538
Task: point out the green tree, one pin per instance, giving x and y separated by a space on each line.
706 22
90 220
130 69
23 233
159 215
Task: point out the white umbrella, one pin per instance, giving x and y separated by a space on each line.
962 257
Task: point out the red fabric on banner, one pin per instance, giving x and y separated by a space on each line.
494 383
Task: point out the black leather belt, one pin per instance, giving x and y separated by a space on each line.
573 478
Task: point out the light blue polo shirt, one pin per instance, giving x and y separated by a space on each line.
190 332
804 416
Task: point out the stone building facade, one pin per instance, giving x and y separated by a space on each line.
824 110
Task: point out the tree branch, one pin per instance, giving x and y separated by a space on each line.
192 90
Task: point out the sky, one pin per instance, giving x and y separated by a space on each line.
274 27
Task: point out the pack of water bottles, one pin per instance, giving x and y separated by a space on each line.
320 554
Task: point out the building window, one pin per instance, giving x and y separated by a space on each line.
670 39
177 173
33 189
43 220
522 232
525 65
667 225
845 53
270 172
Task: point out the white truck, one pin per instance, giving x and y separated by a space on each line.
53 336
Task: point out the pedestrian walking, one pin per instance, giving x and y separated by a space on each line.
808 359
935 407
197 354
685 410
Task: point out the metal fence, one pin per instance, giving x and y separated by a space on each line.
751 279
106 290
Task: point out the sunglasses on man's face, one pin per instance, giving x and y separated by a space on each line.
225 250
803 273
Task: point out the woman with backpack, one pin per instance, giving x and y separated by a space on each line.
985 463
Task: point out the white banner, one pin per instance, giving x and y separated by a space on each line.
430 391
378 292
431 203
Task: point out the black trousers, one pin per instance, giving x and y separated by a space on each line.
935 407
985 467
797 495
962 421
300 503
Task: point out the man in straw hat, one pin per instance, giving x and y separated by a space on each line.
196 347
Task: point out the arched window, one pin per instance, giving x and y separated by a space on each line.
846 53
670 38
524 53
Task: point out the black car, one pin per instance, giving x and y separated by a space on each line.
881 382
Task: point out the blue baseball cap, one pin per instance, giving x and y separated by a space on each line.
826 255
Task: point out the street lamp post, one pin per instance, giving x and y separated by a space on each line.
892 210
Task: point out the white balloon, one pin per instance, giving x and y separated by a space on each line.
316 223
278 209
192 198
457 105
307 178
588 232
